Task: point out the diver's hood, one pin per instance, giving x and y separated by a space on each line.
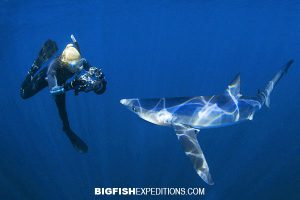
70 55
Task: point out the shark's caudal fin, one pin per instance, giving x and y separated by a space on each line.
264 95
188 138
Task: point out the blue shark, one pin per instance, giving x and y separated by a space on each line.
188 115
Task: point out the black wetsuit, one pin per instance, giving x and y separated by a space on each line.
56 74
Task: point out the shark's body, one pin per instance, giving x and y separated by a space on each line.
187 115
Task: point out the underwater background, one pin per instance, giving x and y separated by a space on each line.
151 49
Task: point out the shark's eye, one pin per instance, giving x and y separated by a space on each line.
134 109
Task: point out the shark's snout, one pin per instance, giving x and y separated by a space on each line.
125 102
131 104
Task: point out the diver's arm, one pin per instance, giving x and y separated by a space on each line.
53 87
52 80
77 82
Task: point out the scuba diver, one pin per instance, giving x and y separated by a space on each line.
68 65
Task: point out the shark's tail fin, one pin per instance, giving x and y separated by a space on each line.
264 95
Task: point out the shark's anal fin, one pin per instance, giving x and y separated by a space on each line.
188 138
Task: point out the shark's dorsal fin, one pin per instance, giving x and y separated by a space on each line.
233 88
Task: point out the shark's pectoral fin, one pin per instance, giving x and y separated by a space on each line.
188 138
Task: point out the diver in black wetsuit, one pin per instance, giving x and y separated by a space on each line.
69 64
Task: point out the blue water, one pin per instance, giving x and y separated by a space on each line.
151 49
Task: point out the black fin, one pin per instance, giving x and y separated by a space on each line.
48 50
78 143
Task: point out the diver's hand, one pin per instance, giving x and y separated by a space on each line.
79 85
77 82
57 90
75 85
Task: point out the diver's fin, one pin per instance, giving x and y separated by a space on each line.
234 87
48 50
188 138
77 143
264 95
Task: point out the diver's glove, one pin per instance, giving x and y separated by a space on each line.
74 84
79 86
57 90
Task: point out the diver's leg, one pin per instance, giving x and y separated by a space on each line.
33 84
60 101
78 144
